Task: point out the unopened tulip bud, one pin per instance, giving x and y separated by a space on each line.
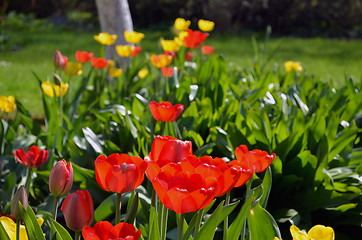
20 196
61 178
59 61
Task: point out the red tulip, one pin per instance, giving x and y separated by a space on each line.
226 175
104 231
83 56
119 173
261 160
19 196
33 158
184 192
207 50
165 111
99 63
78 210
61 178
188 56
170 53
136 50
166 150
59 60
167 71
246 171
194 38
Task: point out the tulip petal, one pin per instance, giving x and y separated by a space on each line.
102 167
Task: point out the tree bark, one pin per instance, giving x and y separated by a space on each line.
115 18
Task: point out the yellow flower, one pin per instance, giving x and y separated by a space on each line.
318 232
133 37
111 64
205 25
105 38
290 65
124 50
180 38
169 45
73 69
181 24
7 104
277 238
10 228
115 72
49 88
161 60
143 73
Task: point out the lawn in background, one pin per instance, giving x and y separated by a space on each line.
325 58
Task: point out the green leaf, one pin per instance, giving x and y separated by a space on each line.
132 212
32 226
261 224
106 208
226 210
208 229
239 223
3 234
62 233
267 183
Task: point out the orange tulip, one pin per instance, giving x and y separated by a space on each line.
119 173
99 63
161 60
167 71
83 56
78 210
165 111
104 230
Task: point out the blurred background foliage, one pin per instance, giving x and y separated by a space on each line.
338 18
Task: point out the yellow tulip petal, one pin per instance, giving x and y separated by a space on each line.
133 37
143 73
47 88
181 24
115 72
206 25
298 234
321 232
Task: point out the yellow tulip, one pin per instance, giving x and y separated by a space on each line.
169 45
10 228
205 25
7 104
49 88
73 69
290 66
143 73
180 38
110 64
106 38
181 24
318 232
133 37
115 72
124 50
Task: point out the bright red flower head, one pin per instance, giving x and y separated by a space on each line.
33 158
59 61
166 150
83 56
61 178
246 171
261 160
207 50
104 231
165 111
119 173
184 192
188 56
78 210
167 71
136 50
99 63
194 38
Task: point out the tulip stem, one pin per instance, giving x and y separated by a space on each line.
163 128
181 227
18 229
198 223
118 208
54 214
226 220
77 235
29 175
164 213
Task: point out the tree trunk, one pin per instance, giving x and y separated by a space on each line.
115 18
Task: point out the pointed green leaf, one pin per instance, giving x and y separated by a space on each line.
3 234
62 233
208 229
32 226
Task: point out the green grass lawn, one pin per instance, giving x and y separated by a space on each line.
325 58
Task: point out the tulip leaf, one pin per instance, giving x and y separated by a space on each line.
154 229
208 229
62 233
132 211
267 183
93 140
238 224
106 208
190 227
261 224
3 233
226 210
32 226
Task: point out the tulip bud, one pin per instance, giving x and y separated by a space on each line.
78 210
61 178
59 61
20 196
